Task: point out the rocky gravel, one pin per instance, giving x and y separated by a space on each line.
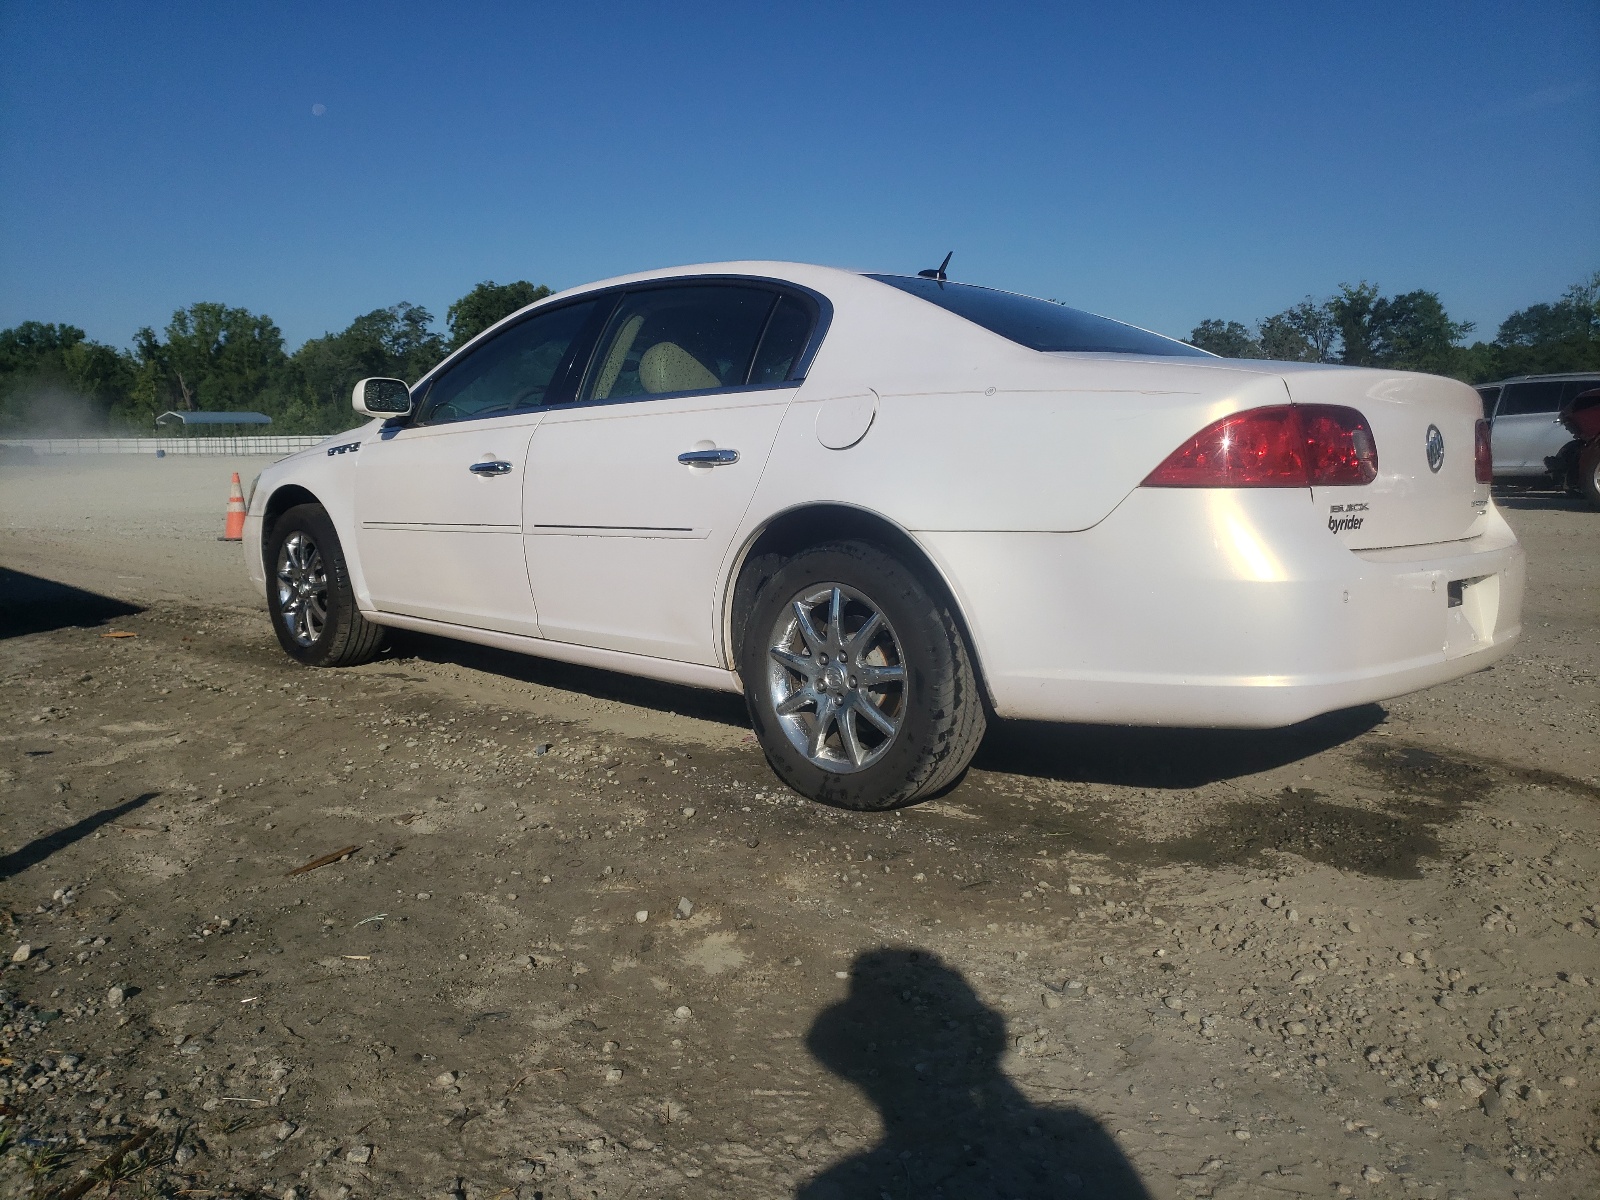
570 938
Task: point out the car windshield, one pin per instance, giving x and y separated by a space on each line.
1039 324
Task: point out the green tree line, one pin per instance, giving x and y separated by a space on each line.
54 381
1359 326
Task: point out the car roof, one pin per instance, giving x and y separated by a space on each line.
805 274
832 281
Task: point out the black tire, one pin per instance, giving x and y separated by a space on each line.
1589 472
938 706
342 637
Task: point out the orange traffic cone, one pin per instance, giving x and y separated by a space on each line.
233 530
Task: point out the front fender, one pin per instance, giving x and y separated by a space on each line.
326 475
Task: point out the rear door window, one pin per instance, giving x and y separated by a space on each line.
1489 395
1538 396
1575 388
672 340
788 330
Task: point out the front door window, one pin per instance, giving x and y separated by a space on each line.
518 369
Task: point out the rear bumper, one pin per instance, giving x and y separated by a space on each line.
1224 608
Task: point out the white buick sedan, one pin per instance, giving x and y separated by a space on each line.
884 507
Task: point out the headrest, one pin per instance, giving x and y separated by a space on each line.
668 367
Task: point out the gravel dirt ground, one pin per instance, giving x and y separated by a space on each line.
575 941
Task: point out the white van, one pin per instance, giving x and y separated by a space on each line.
1531 445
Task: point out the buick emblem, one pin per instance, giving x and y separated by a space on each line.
1435 445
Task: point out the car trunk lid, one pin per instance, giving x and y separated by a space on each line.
1426 490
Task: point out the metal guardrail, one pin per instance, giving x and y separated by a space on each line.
279 444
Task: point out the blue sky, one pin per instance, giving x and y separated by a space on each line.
1156 163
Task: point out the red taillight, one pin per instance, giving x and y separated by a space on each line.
1284 445
1482 454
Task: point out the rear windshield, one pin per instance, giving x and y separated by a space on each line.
1039 324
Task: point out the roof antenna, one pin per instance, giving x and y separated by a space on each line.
937 272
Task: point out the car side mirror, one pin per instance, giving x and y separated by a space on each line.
381 398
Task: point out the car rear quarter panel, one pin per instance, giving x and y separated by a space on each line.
973 431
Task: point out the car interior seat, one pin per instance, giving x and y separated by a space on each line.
612 366
668 367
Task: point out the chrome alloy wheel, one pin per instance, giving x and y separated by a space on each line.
302 588
837 678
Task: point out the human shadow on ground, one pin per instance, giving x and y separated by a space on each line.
916 1040
31 604
41 848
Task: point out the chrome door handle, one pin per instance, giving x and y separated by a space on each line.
496 467
708 458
